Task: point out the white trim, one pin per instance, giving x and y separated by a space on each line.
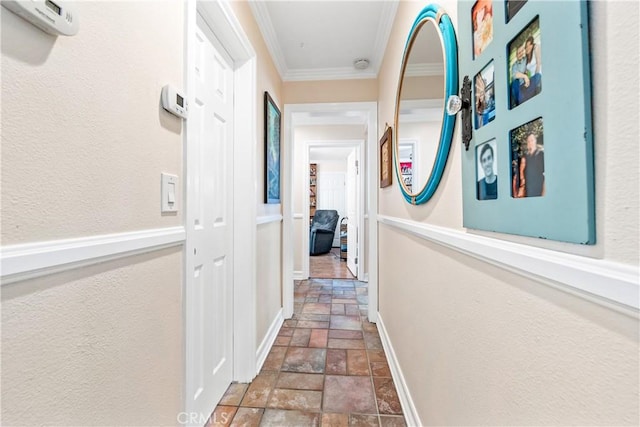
388 15
611 284
337 73
408 407
369 113
26 261
268 340
297 275
268 219
298 215
263 19
366 277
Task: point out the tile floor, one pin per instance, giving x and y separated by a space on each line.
326 367
329 266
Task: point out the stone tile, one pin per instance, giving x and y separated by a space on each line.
283 418
388 402
344 301
304 400
380 369
352 344
317 308
372 341
337 309
376 355
300 381
221 416
318 338
346 322
314 317
309 360
336 362
357 363
274 359
360 420
325 299
352 310
247 417
311 299
312 324
286 332
290 323
300 337
345 334
335 420
369 327
392 421
282 341
362 299
233 395
259 390
348 394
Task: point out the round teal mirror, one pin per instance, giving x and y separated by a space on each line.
423 129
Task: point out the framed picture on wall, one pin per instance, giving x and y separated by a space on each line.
386 159
272 125
530 171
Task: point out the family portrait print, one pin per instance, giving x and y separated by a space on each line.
525 65
482 21
527 160
485 99
513 6
486 171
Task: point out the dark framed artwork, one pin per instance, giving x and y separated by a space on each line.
539 165
272 126
386 159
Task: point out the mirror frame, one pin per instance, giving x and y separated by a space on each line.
442 21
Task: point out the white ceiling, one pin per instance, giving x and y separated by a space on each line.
320 39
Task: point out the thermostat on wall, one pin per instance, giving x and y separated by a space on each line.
53 17
174 101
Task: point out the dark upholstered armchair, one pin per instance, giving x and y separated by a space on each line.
323 228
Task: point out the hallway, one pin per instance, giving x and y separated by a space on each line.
329 266
326 367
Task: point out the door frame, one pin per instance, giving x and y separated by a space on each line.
348 143
227 29
365 113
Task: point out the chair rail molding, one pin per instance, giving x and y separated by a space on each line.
268 219
31 260
607 283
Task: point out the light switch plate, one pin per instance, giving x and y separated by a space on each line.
169 193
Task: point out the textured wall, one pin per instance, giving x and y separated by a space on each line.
84 138
496 348
95 346
359 90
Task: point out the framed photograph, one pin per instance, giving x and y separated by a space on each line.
529 170
482 21
386 159
487 171
272 124
485 99
525 65
513 6
527 160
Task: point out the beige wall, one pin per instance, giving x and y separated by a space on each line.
497 348
101 345
84 141
360 90
268 286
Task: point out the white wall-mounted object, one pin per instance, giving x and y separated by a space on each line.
53 17
169 192
174 101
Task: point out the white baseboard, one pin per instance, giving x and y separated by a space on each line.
297 275
408 408
269 339
366 277
268 219
31 260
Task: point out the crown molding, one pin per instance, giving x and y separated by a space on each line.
261 15
385 25
425 69
338 73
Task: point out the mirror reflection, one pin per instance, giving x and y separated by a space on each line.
420 108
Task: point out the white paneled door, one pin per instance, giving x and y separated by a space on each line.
209 283
352 211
